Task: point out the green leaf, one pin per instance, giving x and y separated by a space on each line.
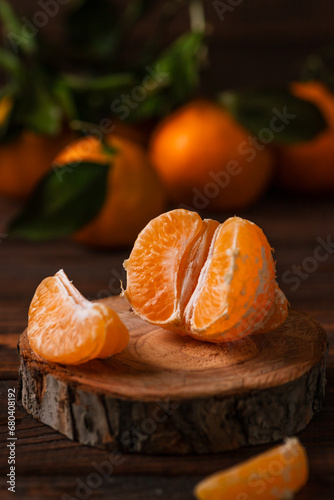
153 106
274 113
181 63
177 77
17 38
67 198
99 83
65 98
10 62
38 106
47 115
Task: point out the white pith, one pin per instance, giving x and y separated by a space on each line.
201 282
233 252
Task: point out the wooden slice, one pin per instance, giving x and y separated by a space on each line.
170 394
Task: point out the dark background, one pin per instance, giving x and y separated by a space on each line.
259 41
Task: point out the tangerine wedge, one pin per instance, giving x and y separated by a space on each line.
66 328
215 282
274 475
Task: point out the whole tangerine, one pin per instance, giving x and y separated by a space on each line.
209 161
134 193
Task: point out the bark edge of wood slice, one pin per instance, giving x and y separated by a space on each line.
167 394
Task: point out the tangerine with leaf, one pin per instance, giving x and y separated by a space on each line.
25 159
308 166
102 193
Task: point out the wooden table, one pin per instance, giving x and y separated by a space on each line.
50 466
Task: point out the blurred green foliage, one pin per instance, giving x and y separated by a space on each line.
47 94
274 111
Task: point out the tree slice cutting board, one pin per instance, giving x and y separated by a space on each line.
166 394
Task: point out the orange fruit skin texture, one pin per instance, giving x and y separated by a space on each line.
25 159
200 141
134 194
273 475
64 327
308 167
214 282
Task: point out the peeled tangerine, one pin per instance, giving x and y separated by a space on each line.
65 327
215 282
274 475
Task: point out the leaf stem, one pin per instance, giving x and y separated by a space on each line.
197 16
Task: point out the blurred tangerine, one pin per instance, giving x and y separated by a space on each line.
205 159
309 166
134 194
26 158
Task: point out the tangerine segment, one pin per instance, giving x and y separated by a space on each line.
65 327
193 261
117 334
154 264
278 311
273 475
237 284
212 281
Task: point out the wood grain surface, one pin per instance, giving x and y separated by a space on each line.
185 396
50 466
